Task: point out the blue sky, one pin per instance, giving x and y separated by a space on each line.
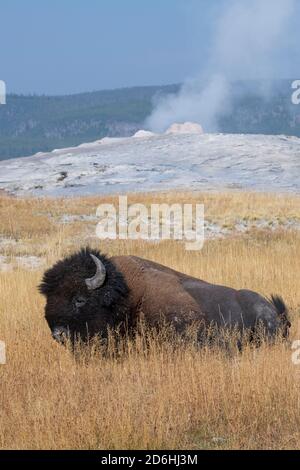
69 46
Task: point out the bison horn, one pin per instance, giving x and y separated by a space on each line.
99 278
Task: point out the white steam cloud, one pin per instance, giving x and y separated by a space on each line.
249 39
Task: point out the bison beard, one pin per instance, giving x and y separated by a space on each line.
88 294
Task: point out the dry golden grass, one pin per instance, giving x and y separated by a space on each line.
174 396
37 223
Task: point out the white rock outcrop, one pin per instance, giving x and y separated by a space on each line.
185 128
143 134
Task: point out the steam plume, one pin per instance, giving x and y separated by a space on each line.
249 39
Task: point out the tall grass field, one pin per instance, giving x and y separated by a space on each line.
170 395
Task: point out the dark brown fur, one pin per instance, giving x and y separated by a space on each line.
138 289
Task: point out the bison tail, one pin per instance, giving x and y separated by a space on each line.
279 304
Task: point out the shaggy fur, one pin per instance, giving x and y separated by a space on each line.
138 289
64 283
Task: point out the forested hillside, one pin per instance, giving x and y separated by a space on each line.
30 124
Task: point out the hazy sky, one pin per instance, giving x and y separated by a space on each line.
68 46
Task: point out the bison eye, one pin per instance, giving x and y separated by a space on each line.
79 301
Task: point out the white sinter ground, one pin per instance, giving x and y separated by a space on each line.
159 162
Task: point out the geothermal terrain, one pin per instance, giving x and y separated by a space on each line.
168 395
148 162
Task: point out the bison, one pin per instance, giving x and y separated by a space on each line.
88 294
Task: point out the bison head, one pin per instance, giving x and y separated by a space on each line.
85 294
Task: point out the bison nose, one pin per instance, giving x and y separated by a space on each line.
60 334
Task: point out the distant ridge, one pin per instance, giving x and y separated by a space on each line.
31 124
